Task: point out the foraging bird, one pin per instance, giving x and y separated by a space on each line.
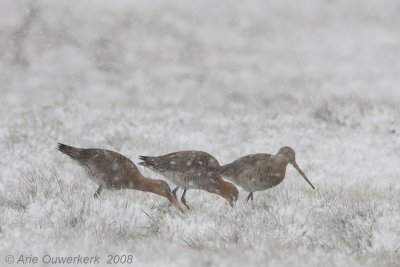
192 170
111 170
257 172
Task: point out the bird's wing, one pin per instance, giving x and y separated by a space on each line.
110 164
244 164
182 161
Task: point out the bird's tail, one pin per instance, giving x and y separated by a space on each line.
222 170
147 161
225 172
70 151
152 163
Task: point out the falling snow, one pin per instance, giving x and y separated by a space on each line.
227 77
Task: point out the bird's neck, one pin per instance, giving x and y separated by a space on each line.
217 187
281 160
147 185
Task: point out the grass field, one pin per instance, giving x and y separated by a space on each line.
227 77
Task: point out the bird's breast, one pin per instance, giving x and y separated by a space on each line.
187 180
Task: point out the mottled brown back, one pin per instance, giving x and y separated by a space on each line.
106 167
181 161
241 165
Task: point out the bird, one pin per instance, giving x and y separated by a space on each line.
113 171
258 172
192 169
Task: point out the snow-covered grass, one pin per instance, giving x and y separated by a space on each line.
227 77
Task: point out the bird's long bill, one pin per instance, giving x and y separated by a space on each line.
302 174
173 201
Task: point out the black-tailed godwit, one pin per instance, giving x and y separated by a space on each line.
258 172
111 170
192 170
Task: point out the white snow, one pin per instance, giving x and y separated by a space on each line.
226 77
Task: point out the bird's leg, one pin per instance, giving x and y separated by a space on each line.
98 191
174 191
250 196
184 200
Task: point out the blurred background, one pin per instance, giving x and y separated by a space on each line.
227 77
157 76
197 54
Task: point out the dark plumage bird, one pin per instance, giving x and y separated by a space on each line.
258 172
111 170
192 170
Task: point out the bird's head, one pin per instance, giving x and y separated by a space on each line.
164 190
226 190
290 156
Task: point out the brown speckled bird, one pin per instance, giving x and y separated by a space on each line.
192 170
111 170
258 172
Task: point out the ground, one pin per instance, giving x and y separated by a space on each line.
227 77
